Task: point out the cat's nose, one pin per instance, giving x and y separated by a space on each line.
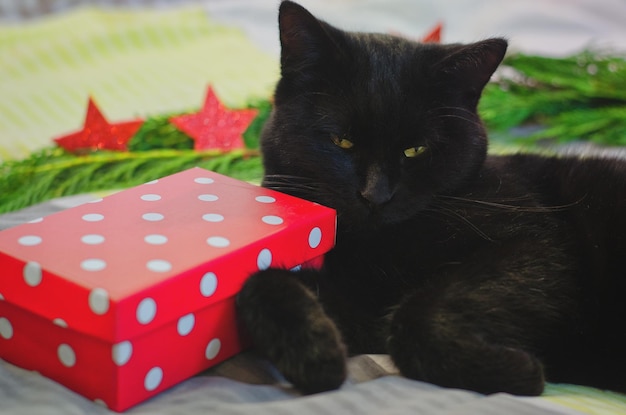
377 190
376 198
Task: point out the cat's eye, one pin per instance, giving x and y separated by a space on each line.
413 152
342 142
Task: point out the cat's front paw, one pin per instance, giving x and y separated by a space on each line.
317 368
288 326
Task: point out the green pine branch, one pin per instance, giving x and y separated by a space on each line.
582 97
53 172
158 149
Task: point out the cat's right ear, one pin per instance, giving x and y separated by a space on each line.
474 63
305 41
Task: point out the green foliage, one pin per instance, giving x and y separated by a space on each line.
53 172
159 133
582 97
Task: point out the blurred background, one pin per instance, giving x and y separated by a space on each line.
146 57
542 26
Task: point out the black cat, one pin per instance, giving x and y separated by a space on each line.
472 271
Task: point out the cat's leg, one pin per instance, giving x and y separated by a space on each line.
475 331
288 326
488 324
436 341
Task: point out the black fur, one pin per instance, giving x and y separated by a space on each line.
472 271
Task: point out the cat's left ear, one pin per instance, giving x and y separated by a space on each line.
305 40
474 63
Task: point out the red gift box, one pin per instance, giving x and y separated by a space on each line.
124 297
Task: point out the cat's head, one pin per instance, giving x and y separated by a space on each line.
374 125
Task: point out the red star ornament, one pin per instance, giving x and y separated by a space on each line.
99 134
434 36
216 127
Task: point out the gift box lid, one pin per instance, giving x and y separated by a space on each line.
140 258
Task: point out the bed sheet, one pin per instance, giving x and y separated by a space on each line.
246 385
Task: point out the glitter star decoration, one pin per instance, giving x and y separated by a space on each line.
215 127
434 36
99 134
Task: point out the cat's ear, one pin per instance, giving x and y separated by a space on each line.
473 64
304 39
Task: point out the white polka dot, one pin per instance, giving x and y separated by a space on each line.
66 355
121 352
60 322
296 268
92 239
152 182
146 310
6 329
99 301
150 197
29 240
1 297
96 200
208 198
265 199
315 237
152 217
272 220
93 217
264 259
93 264
213 217
185 324
155 239
208 284
159 265
212 349
218 242
204 180
32 273
38 220
153 378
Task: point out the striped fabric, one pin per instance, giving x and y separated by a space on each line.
23 392
134 63
587 400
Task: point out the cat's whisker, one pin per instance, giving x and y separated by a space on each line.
453 214
448 108
300 186
457 111
290 187
471 121
504 206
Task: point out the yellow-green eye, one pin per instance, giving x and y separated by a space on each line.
412 152
342 142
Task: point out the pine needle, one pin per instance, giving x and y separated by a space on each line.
53 173
582 97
